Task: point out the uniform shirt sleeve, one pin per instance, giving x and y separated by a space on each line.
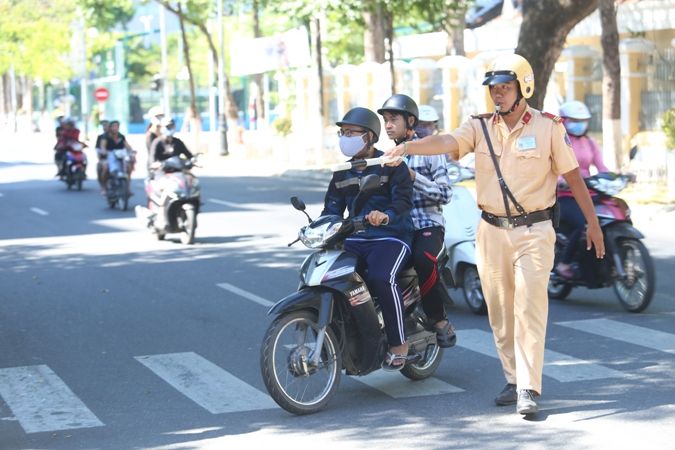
334 202
436 188
562 155
401 190
465 136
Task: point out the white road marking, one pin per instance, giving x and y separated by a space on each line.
644 337
247 295
559 366
397 386
41 401
206 384
39 211
230 204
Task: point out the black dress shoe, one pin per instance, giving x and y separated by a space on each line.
526 403
508 396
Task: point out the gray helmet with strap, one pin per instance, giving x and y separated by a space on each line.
362 117
402 104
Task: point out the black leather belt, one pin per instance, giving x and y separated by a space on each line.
518 221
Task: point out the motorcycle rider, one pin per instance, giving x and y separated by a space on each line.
384 247
114 141
428 121
431 190
155 115
576 116
167 145
66 134
102 164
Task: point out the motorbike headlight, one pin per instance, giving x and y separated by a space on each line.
316 234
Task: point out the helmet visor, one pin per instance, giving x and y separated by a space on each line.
499 76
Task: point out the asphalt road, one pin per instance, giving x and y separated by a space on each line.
110 339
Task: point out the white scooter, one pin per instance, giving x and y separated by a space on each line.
461 221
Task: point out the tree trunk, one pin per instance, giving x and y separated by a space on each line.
374 35
546 24
389 32
611 84
315 30
258 78
193 113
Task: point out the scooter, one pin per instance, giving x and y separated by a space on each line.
174 195
333 323
627 265
461 221
75 165
118 179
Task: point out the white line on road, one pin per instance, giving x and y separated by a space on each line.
39 211
203 382
560 366
398 387
226 203
41 401
644 337
247 295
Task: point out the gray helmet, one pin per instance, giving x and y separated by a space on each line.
362 117
401 104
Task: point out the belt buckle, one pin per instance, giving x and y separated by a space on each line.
504 222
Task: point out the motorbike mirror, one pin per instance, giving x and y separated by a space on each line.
633 151
298 203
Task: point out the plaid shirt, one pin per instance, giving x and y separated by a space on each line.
431 190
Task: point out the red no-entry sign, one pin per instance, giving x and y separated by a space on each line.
101 94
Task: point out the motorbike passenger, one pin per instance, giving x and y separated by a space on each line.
428 121
102 164
114 141
431 190
383 248
66 134
155 115
575 116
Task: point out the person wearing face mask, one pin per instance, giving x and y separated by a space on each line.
431 190
383 248
575 116
166 144
520 153
428 122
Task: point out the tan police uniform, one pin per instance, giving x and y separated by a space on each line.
515 263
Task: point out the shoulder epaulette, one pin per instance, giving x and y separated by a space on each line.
481 116
553 117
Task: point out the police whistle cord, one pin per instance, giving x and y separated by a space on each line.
361 164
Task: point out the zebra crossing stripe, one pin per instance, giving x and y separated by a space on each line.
396 386
559 366
206 384
632 334
41 401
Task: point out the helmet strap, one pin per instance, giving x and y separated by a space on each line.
513 108
408 136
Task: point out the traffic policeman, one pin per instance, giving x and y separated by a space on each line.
515 187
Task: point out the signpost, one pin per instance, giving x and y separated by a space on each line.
101 94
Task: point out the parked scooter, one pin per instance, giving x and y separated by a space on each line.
75 165
461 221
333 323
627 265
173 200
119 179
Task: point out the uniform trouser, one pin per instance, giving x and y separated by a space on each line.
427 244
514 266
384 259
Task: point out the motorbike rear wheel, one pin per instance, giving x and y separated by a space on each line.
297 385
473 293
80 178
187 235
425 367
635 292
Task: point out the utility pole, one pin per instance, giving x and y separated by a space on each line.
166 103
84 90
222 119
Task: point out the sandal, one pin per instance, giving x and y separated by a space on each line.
393 362
445 335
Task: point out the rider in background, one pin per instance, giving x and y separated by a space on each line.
155 115
428 121
576 116
66 134
114 141
431 190
102 165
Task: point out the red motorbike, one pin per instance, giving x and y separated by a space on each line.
627 265
74 165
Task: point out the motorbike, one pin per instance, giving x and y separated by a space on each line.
461 221
75 165
119 179
333 323
174 199
627 265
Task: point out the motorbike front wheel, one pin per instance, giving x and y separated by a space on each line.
187 235
296 383
636 290
473 293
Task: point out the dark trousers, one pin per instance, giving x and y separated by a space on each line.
383 260
572 217
427 244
